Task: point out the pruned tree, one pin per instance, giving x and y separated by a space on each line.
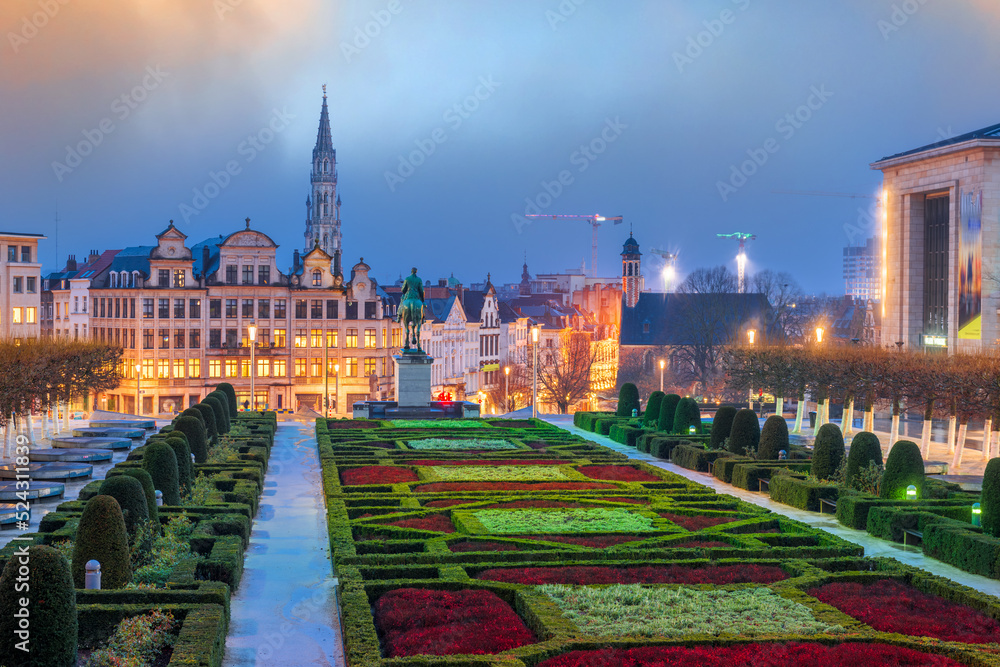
564 373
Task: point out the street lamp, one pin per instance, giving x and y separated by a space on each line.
138 379
506 388
663 365
252 334
336 386
534 374
819 334
326 374
751 335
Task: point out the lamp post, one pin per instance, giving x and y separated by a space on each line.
336 386
326 374
819 334
506 388
252 335
663 365
534 374
751 336
138 380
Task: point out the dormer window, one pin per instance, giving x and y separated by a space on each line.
317 278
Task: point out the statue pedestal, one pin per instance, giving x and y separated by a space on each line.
413 380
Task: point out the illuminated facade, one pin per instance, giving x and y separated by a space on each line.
20 285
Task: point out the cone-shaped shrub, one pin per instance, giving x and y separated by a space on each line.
904 466
652 413
628 400
196 436
131 498
722 426
230 393
179 443
159 460
668 408
990 500
228 416
214 401
211 428
828 451
865 449
192 412
51 610
148 490
101 536
686 415
773 438
745 433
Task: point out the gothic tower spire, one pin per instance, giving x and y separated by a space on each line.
323 217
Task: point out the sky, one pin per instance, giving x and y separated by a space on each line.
452 120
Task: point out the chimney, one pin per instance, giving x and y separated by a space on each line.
442 282
94 256
336 263
71 263
295 262
206 256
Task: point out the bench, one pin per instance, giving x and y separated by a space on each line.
915 533
763 485
831 503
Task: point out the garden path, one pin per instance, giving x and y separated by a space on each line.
828 522
285 611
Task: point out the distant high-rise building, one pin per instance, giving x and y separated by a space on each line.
861 271
323 203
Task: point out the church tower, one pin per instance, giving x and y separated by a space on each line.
632 282
323 203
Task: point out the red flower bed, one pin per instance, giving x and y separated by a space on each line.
754 655
618 473
697 544
596 541
651 574
489 462
448 502
461 547
414 621
436 487
333 424
693 523
634 501
514 423
377 475
438 522
890 606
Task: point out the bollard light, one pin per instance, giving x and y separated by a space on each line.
782 455
192 458
92 579
159 498
691 430
635 412
911 492
977 512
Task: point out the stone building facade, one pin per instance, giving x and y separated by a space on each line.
20 286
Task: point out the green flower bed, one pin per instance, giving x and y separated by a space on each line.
635 610
499 473
461 444
436 423
507 522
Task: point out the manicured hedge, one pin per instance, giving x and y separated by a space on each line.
668 409
652 411
828 451
865 450
801 492
745 432
903 467
773 438
696 457
686 415
722 426
628 400
990 502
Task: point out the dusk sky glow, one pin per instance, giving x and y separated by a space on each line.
122 115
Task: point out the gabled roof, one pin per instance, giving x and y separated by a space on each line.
133 258
991 132
473 303
659 319
198 256
437 310
507 314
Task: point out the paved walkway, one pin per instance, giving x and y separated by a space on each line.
285 611
873 546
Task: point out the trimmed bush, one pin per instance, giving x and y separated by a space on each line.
686 415
668 407
904 466
802 493
196 436
159 460
51 610
628 400
102 536
185 473
828 451
220 411
652 413
745 432
773 438
722 426
229 417
211 427
148 490
230 393
990 500
132 500
865 449
193 412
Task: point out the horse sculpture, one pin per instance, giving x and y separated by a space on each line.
411 311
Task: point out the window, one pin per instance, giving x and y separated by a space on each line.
352 311
263 368
369 310
397 337
132 339
331 309
369 338
147 339
163 309
179 339
231 274
352 367
148 368
279 368
178 309
248 309
194 339
232 338
316 309
316 367
263 337
164 339
279 309
231 368
331 338
118 308
370 366
300 309
147 309
131 305
214 368
279 338
263 275
300 368
215 338
245 368
179 281
194 308
263 309
315 338
317 278
101 311
300 338
162 369
248 274
163 278
179 368
26 253
18 316
12 253
194 368
18 285
352 338
215 309
230 308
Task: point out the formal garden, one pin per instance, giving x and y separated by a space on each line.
515 542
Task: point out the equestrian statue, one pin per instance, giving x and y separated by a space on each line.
411 312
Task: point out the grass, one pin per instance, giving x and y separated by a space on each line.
632 609
466 444
435 423
499 473
598 520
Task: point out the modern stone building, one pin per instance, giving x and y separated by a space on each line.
20 286
941 243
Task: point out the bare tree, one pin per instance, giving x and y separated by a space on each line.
564 373
785 320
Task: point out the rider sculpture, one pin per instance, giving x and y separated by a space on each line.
411 312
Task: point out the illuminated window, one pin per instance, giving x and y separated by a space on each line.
231 368
162 369
315 367
300 338
194 368
397 338
315 338
245 367
300 368
263 367
352 338
369 338
147 368
330 370
178 277
214 368
317 278
352 367
179 368
279 338
18 316
370 366
279 368
331 338
29 315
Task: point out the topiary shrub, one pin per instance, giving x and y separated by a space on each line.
148 490
865 449
686 415
628 400
101 535
745 432
51 610
159 460
668 408
904 466
773 438
132 499
192 412
228 416
828 451
990 499
214 401
211 428
196 436
230 393
179 443
722 426
652 413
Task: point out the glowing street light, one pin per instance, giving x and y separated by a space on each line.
534 374
336 386
252 335
138 381
506 388
663 365
819 334
751 335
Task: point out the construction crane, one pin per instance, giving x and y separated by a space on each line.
670 269
813 193
594 220
741 258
